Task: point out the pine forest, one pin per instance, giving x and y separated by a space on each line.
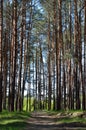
42 55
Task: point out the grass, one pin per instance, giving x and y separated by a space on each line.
25 102
13 120
73 119
18 120
71 116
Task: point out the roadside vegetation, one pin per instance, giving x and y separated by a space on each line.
70 116
19 120
13 120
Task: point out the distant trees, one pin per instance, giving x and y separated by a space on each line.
42 55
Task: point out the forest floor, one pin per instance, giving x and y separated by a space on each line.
58 121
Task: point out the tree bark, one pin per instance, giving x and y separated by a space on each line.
1 34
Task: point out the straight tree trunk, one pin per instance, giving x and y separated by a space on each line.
1 34
84 85
76 53
5 70
49 66
14 53
56 45
36 75
59 53
70 40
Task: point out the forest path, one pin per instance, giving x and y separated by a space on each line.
44 121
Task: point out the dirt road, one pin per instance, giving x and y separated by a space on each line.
44 121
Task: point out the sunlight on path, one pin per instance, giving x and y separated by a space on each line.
43 121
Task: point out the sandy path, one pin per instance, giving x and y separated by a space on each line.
43 121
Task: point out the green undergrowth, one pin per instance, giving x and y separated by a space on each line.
64 111
71 120
13 120
25 104
69 116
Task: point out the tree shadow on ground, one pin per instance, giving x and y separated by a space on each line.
13 126
62 126
48 123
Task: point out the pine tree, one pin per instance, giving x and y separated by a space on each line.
1 38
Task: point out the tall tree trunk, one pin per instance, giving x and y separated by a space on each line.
70 42
1 34
84 85
76 53
49 66
5 70
14 52
39 84
36 75
59 53
56 45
